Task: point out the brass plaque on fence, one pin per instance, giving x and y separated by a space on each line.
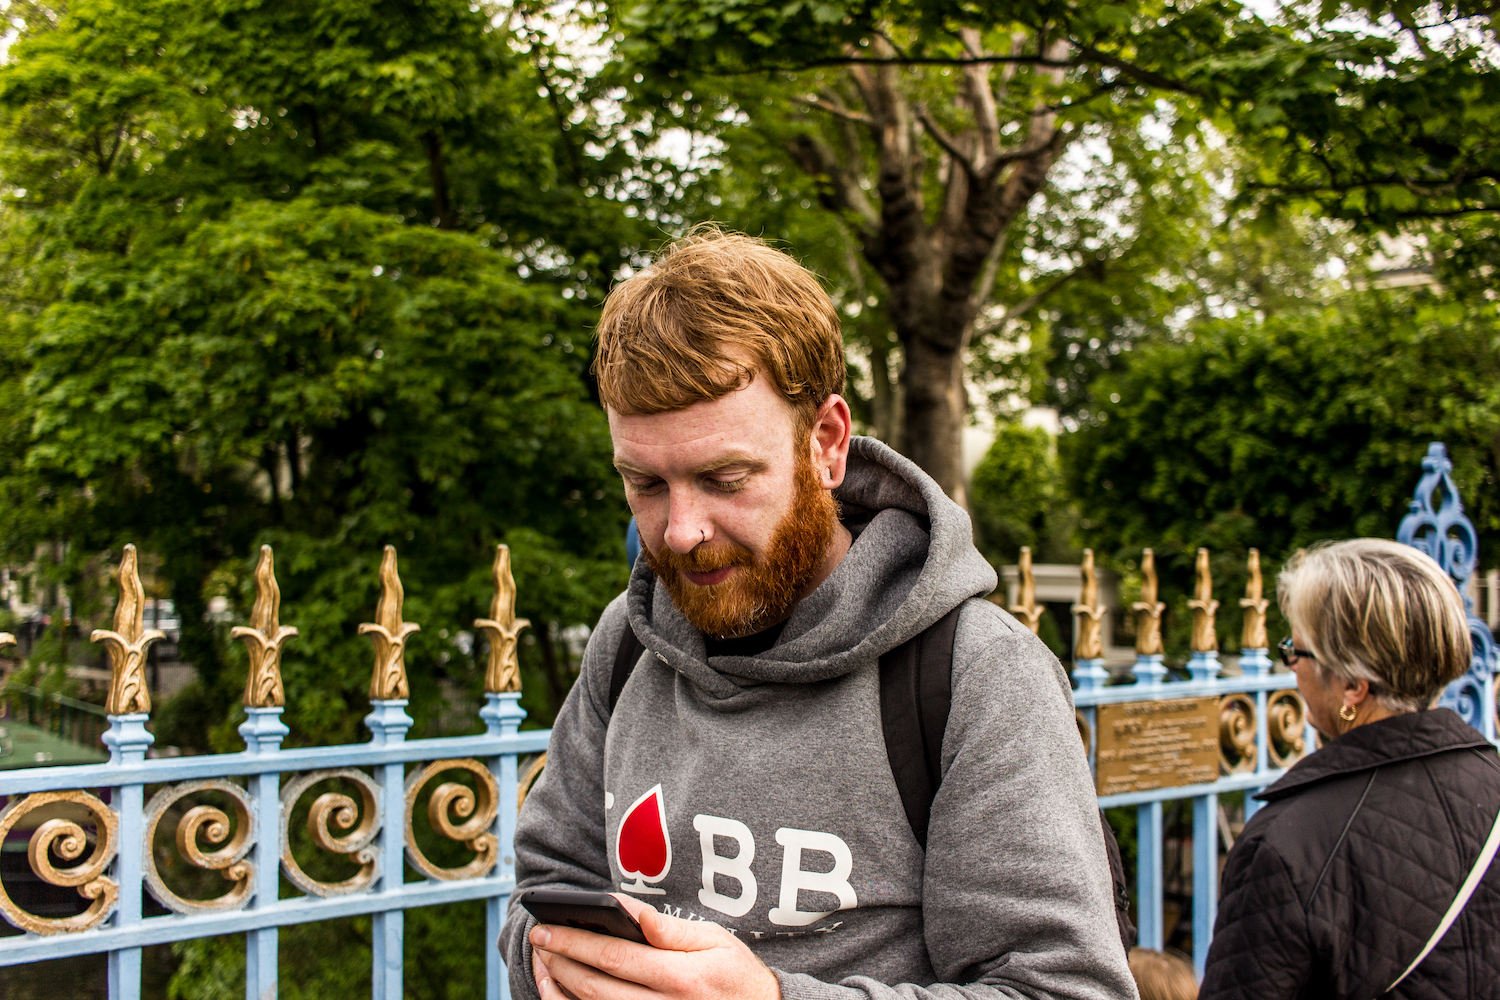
1157 744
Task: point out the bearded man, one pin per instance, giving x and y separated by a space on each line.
735 792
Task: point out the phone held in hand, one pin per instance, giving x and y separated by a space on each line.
590 911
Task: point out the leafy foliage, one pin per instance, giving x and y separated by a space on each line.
1278 433
1395 122
1017 498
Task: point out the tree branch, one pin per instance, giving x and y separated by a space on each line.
848 114
842 192
947 142
1130 69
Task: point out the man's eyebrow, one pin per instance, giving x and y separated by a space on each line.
747 462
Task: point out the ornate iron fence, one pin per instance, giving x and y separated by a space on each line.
1153 741
231 813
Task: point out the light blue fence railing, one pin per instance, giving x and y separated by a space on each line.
90 828
232 813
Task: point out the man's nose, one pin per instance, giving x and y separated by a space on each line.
688 524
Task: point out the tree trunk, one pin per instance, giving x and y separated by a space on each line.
935 408
938 263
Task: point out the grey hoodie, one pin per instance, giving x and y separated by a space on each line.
760 796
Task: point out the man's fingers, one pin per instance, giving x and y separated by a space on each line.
675 934
588 983
633 906
615 956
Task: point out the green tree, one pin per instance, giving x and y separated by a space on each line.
317 275
981 161
1405 132
1017 498
1280 432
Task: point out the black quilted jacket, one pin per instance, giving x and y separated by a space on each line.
1336 884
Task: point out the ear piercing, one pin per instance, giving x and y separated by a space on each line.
1346 713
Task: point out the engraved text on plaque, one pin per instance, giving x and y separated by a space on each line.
1157 744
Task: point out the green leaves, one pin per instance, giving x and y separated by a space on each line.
1310 425
313 274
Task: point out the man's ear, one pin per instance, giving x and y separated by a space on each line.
831 430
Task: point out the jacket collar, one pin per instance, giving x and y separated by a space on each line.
1401 737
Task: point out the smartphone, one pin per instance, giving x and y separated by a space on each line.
590 911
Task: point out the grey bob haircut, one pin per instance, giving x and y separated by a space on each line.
1377 610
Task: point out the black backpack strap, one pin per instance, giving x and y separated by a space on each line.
916 693
626 658
1123 923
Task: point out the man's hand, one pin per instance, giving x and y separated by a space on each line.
689 959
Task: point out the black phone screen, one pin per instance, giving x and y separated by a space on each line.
589 911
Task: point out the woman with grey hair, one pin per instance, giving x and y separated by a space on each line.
1368 871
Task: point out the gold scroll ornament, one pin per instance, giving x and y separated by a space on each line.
389 634
1253 635
1236 733
476 814
503 628
1028 611
127 644
264 638
1205 640
1090 644
62 834
1148 609
213 825
1286 727
331 809
1144 745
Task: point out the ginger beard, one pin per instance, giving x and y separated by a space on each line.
761 592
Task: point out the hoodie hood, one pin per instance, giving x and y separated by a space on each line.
913 560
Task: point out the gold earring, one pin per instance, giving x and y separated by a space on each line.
1347 713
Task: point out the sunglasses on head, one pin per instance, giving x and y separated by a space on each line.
1290 653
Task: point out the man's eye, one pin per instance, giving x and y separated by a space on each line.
645 487
728 485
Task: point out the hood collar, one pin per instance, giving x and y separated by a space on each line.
913 560
1389 741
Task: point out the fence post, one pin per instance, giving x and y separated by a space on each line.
502 714
127 740
1255 663
1148 650
1148 874
1204 663
129 706
263 732
1205 876
388 723
1088 646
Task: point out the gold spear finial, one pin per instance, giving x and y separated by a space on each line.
1090 644
1205 640
1254 634
1028 610
389 634
503 629
264 638
1148 609
127 643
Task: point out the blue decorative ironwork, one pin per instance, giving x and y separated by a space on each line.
1447 534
